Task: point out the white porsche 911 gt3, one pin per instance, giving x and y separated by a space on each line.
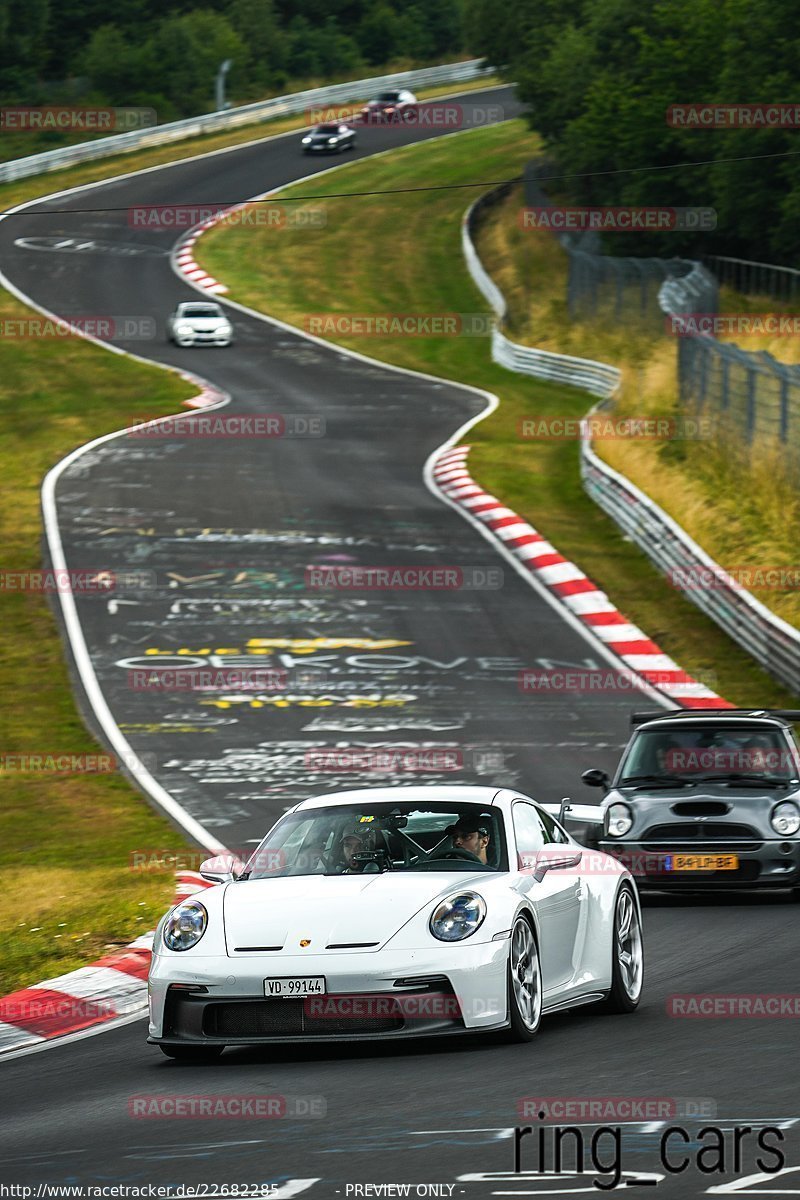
396 912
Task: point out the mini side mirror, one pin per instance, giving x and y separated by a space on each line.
594 777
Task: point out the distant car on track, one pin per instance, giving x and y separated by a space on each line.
199 323
396 105
704 800
396 912
332 138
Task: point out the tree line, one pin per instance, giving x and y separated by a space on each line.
599 77
164 54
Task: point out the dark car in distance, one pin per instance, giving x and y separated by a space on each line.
330 138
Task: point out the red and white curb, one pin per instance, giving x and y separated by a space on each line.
640 655
115 986
184 255
209 397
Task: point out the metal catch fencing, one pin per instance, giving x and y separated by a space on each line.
601 285
770 640
234 118
751 398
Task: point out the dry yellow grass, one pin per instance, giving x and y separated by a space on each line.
740 506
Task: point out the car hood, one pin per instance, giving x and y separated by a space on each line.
365 910
703 793
202 324
713 803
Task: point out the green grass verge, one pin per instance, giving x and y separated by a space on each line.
64 840
404 255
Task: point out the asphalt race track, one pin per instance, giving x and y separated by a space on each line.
224 530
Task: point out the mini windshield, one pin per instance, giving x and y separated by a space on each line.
328 129
398 836
389 97
701 754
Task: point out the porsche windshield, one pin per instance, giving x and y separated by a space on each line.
349 840
685 756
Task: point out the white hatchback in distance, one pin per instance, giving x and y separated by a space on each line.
199 323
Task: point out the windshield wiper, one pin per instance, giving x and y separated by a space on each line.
733 777
662 780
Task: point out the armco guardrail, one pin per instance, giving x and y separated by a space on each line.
598 378
233 118
771 641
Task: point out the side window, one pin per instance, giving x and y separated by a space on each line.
553 830
529 831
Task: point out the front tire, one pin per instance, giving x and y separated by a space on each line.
195 1054
524 983
627 955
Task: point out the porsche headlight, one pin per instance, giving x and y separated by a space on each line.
458 917
185 925
785 818
619 820
306 140
332 141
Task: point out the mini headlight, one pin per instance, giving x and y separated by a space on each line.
185 925
458 916
183 327
619 820
785 818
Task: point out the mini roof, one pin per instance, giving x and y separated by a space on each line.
712 716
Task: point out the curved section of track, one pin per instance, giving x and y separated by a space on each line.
229 528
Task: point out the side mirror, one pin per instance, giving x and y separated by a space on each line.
594 777
223 868
556 862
